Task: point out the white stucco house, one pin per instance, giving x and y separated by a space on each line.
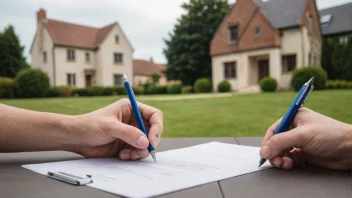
81 56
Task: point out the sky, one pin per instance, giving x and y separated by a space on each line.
145 22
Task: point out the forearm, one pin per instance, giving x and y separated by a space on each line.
24 130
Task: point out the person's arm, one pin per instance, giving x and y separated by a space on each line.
312 138
107 132
24 130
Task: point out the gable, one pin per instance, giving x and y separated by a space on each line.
109 38
247 22
310 9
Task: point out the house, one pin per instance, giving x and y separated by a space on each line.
143 71
81 56
265 38
337 21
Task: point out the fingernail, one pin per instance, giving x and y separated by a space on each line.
265 152
136 156
142 142
156 142
125 155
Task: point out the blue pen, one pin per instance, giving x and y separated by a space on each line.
137 113
292 111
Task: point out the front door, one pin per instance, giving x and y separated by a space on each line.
88 80
263 66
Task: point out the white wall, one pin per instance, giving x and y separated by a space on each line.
105 58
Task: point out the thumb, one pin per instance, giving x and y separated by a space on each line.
282 142
129 134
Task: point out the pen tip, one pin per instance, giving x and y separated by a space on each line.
311 81
261 162
153 156
124 77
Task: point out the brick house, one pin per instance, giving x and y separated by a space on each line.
265 38
143 71
81 56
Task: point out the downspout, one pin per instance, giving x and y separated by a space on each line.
54 66
303 47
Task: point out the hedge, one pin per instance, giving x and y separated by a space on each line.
302 75
338 84
174 89
31 83
6 87
202 85
268 84
158 89
187 89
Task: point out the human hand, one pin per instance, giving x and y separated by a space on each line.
312 138
113 131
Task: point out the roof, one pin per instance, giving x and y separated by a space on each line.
341 20
74 35
282 13
147 68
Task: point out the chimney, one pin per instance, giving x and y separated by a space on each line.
41 14
151 60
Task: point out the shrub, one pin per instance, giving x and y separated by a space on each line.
6 87
302 75
187 89
343 84
174 89
120 90
53 92
148 87
138 90
350 85
268 84
64 91
31 83
81 92
108 91
329 84
158 89
224 86
338 84
202 85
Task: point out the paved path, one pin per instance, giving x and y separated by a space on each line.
187 97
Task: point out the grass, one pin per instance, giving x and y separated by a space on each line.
238 115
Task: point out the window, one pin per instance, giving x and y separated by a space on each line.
71 80
325 20
70 55
230 70
258 31
233 34
118 79
288 63
44 57
344 40
310 23
87 57
118 58
117 39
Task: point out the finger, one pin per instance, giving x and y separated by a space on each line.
270 132
125 154
279 143
129 134
138 154
277 162
287 163
155 120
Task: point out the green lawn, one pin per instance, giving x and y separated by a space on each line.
239 115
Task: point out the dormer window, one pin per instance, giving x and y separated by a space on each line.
325 20
233 34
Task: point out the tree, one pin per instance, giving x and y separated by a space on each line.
336 57
11 53
155 78
187 49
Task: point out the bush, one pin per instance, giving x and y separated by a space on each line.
187 89
202 85
120 90
108 91
268 84
53 92
138 90
338 84
329 84
350 85
158 89
6 87
224 86
302 75
174 89
31 83
81 92
148 88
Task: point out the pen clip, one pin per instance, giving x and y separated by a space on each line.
301 96
70 178
310 91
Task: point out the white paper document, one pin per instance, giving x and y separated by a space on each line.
175 169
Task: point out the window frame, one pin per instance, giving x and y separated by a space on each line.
256 33
45 57
115 55
285 67
114 79
230 39
117 39
71 57
232 74
71 79
85 57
